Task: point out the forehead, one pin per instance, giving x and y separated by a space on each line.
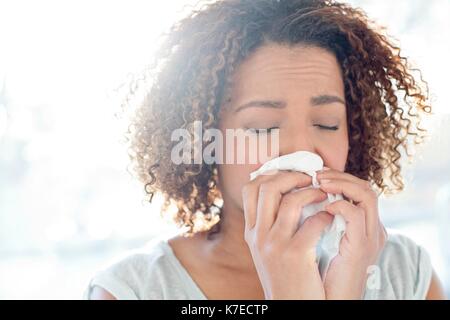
276 71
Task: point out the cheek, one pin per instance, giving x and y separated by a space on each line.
233 177
334 149
240 159
335 156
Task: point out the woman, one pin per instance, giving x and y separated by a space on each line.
327 80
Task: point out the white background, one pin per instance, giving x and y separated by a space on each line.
67 203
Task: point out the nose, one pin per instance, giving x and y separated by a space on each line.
296 139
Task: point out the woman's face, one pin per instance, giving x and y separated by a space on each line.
307 86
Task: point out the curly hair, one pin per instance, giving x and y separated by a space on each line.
193 68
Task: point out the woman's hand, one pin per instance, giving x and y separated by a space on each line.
284 255
364 237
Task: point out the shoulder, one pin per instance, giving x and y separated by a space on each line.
405 269
138 274
403 248
98 293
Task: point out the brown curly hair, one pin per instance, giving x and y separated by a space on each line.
192 71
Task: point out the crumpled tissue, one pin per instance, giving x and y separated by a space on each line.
309 163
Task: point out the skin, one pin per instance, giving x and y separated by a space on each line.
259 252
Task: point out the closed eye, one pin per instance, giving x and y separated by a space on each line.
261 130
269 130
334 128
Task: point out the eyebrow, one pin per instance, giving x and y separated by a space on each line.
325 99
262 104
322 99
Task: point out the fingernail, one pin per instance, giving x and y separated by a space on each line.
323 170
325 181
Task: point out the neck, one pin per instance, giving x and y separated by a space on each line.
229 244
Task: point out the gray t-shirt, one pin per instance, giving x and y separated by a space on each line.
403 271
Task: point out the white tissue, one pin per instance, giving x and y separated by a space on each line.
310 163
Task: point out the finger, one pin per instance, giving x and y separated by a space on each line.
353 216
249 201
363 197
250 193
335 174
383 235
327 173
309 233
270 193
290 211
